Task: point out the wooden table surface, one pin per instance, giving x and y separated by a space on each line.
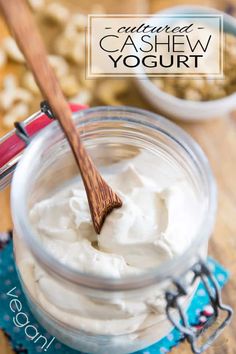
218 140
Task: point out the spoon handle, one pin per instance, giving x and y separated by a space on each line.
101 198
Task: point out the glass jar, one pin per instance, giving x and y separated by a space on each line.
110 135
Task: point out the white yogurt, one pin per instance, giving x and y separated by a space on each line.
158 220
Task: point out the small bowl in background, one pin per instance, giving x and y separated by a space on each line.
183 109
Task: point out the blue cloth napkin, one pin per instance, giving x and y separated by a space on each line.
23 345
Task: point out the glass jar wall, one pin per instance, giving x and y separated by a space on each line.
102 314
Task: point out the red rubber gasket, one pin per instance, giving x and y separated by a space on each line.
13 145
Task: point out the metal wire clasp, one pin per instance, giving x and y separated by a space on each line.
202 271
20 129
45 108
22 133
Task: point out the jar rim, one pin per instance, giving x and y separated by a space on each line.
162 272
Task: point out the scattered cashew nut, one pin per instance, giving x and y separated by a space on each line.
69 85
84 97
2 58
9 82
77 53
59 64
77 24
29 83
12 50
57 13
71 47
12 94
87 83
36 5
18 112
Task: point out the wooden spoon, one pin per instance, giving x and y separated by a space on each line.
101 198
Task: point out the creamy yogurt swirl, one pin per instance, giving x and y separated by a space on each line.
158 220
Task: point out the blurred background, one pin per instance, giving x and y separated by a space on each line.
62 26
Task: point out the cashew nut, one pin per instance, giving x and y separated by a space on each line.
84 97
12 50
36 5
12 94
18 112
77 24
57 13
59 64
69 85
87 83
9 82
77 53
29 83
192 95
158 83
2 58
63 45
71 47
